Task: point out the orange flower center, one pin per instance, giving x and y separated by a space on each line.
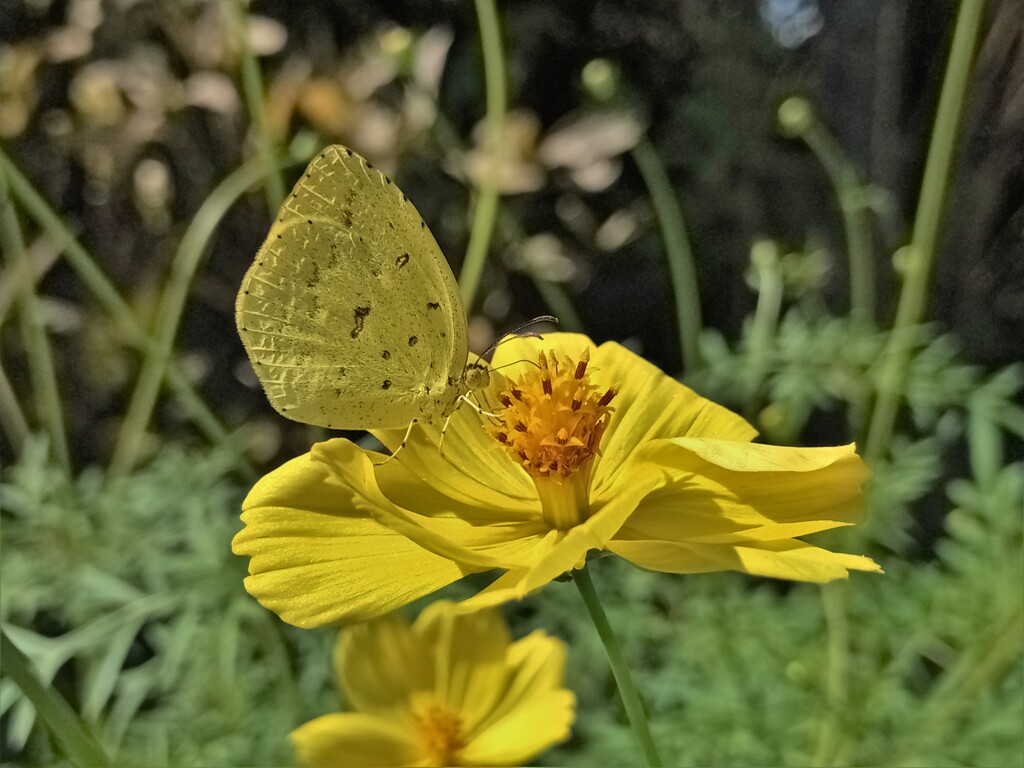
551 423
440 734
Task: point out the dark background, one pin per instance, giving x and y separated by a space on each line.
706 78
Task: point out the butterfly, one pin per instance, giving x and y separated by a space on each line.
350 314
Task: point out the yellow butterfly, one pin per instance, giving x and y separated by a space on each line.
350 313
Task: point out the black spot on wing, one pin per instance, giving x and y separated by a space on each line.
360 314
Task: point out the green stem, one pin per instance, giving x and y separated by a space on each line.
41 261
764 257
172 303
620 669
558 301
850 195
63 722
678 253
11 416
252 89
930 207
42 370
486 212
85 266
833 597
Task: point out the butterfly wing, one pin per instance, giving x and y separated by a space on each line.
350 313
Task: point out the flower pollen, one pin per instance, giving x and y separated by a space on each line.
551 423
553 417
440 735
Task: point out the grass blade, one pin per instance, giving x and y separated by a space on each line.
68 729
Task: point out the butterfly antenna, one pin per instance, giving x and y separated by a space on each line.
534 363
516 332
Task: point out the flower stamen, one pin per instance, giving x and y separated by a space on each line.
552 423
440 734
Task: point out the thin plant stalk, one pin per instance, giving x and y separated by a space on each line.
620 669
678 252
255 103
927 222
486 212
11 416
67 728
849 191
172 303
41 261
557 299
103 290
38 350
833 598
765 260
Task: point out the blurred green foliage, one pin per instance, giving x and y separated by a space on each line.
136 606
126 593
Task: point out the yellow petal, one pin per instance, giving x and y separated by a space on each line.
381 663
651 405
524 732
508 586
468 465
477 547
786 559
419 479
354 740
316 559
801 562
562 551
537 666
470 654
728 492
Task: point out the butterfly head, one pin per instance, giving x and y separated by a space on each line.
476 376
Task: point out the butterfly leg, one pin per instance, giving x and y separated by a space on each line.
474 406
402 444
479 409
444 428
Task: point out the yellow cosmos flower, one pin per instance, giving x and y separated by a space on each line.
452 689
585 449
